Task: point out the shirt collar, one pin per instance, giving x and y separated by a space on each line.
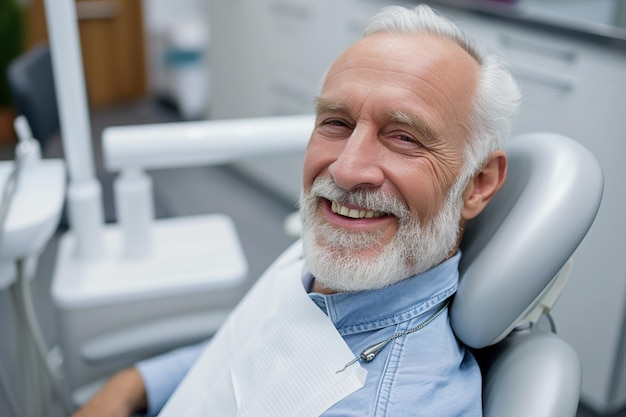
356 311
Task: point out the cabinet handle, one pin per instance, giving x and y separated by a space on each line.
547 51
96 9
557 82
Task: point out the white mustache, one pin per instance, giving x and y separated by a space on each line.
368 199
374 200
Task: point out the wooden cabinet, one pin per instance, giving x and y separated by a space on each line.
112 46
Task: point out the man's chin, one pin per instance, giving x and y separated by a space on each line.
364 254
352 243
351 270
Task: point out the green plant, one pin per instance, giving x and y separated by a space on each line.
11 43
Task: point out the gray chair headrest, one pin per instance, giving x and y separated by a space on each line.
513 250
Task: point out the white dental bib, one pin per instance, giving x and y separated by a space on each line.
277 355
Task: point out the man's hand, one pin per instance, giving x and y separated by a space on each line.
122 396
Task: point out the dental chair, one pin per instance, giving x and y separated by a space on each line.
516 259
515 254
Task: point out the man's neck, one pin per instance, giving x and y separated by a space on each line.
318 287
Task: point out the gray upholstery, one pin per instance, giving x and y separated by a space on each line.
514 249
531 374
511 254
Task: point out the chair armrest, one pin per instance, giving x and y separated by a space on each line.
532 373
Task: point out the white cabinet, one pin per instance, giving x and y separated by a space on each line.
269 57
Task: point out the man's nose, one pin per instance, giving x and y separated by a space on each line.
358 165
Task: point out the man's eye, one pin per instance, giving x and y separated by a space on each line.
402 141
334 128
335 125
335 122
406 138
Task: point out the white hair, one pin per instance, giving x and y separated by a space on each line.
497 96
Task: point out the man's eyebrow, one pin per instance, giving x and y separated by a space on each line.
416 123
327 104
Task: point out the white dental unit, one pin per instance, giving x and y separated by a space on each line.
33 191
130 290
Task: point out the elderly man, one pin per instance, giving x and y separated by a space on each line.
406 148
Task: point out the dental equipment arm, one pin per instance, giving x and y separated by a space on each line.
84 193
134 149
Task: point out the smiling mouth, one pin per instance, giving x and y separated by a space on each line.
354 213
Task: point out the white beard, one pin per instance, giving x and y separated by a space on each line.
332 254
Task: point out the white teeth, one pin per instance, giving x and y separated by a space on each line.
353 213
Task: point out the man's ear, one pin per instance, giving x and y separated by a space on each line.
484 185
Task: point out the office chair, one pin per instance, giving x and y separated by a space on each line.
515 263
31 82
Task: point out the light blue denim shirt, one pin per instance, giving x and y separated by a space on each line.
424 373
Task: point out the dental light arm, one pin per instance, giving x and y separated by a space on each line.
169 145
134 149
84 192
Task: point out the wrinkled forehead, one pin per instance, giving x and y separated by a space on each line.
402 57
431 72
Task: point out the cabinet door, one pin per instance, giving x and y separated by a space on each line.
112 46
